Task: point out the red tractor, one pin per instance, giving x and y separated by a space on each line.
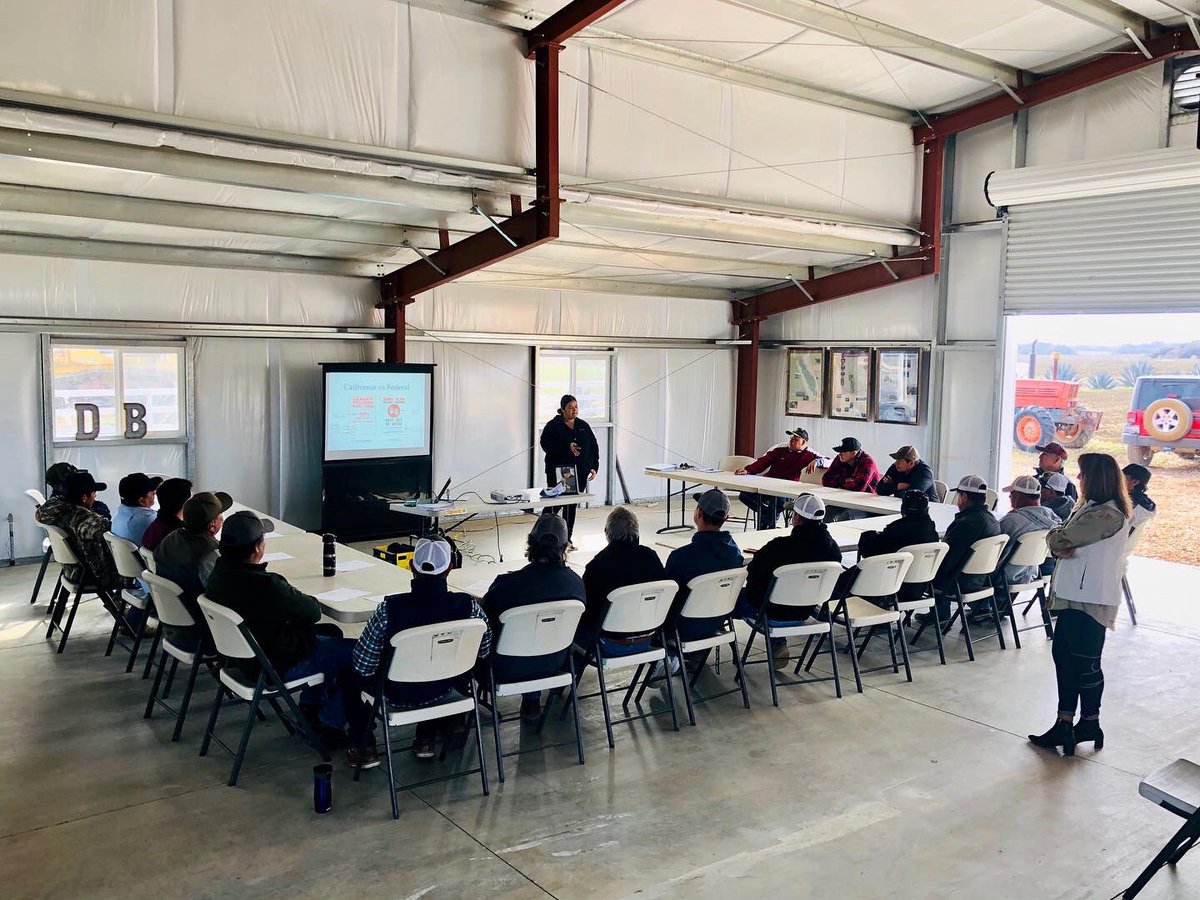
1051 411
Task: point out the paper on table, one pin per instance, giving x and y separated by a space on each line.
341 594
662 467
276 557
272 534
479 587
351 565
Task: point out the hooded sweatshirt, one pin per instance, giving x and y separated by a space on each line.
1019 522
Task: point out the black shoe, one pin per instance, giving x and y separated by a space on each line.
1089 730
531 711
926 618
1061 735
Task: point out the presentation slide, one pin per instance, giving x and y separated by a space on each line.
376 415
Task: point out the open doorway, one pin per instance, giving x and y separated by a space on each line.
1128 385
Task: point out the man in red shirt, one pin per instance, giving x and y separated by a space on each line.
853 470
788 462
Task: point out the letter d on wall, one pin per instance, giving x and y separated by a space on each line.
135 421
82 431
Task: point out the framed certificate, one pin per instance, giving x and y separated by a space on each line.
898 385
850 383
805 382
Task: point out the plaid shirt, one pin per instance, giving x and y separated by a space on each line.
369 648
860 474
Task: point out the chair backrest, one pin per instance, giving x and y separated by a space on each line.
151 565
714 594
60 546
733 463
942 490
1135 535
1031 549
985 555
435 652
927 559
639 608
36 496
881 576
539 628
125 555
225 626
168 601
804 584
813 477
993 499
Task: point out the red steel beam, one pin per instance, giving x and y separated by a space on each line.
746 407
569 20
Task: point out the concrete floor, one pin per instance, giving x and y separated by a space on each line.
924 790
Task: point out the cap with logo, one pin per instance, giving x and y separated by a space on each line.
136 485
797 432
550 531
848 443
1054 448
431 556
1058 482
713 503
1025 484
244 529
79 483
908 452
914 501
809 506
1135 471
56 475
971 484
203 507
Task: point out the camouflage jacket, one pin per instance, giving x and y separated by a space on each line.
86 529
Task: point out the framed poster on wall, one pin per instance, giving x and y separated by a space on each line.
850 383
898 385
805 382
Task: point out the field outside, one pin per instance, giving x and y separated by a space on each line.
1174 534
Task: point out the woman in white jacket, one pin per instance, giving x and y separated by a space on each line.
1086 592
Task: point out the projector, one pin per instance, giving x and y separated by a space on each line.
501 497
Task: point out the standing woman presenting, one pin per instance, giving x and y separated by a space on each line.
568 441
1086 592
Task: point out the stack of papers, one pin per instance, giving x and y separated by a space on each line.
662 467
352 565
338 594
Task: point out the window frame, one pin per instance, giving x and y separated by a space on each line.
574 356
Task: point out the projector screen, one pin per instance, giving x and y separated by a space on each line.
373 414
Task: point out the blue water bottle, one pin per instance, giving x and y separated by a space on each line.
322 788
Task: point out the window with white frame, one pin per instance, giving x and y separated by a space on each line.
108 377
584 375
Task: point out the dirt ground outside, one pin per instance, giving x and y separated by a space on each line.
1173 534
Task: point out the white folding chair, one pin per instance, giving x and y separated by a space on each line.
234 642
38 501
993 499
712 596
129 565
1176 788
879 577
438 652
927 559
984 560
168 604
732 464
539 629
1031 550
942 490
635 609
71 588
797 585
1135 535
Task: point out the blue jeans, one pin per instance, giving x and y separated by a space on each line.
332 658
746 611
768 508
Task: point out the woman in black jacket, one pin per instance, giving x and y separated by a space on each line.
568 441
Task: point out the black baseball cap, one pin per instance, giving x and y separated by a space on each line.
848 443
798 432
79 483
914 501
173 493
244 529
1137 472
56 475
202 508
550 531
137 484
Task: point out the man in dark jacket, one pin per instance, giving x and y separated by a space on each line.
788 462
187 556
568 441
973 522
908 473
711 550
547 577
1054 495
913 527
622 563
810 541
74 511
282 619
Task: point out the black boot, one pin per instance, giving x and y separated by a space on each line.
1090 730
1061 735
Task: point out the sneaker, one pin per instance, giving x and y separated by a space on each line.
424 749
531 711
780 654
370 757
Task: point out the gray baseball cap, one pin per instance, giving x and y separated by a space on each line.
713 503
244 528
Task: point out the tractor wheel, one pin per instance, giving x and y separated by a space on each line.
1140 455
1076 434
1032 426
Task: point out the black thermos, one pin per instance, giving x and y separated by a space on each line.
328 554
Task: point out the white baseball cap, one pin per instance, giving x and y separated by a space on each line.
972 484
1025 484
1058 482
431 557
809 506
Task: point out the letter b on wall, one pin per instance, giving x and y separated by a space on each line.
135 421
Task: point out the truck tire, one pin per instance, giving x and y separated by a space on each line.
1076 435
1032 426
1167 419
1140 455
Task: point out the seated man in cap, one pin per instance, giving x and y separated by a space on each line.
74 511
788 462
810 541
1054 495
282 619
913 527
1053 457
711 550
172 495
908 473
973 522
546 577
853 469
1137 478
1027 514
188 555
429 602
136 511
56 480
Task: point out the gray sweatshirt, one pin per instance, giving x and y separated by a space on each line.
1019 522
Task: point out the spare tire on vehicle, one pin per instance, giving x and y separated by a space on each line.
1167 419
1032 426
